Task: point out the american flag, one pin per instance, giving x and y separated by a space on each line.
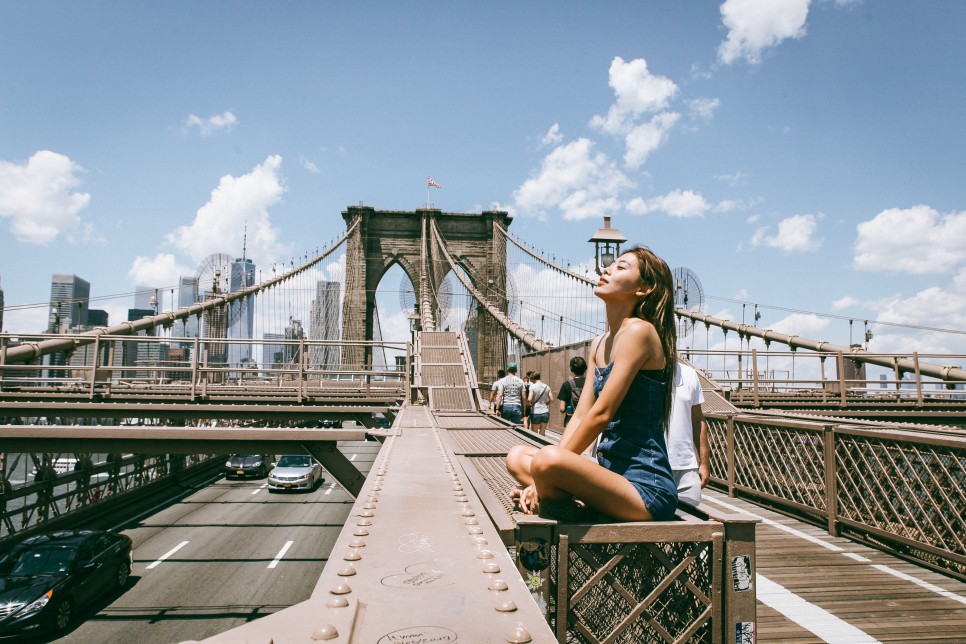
432 184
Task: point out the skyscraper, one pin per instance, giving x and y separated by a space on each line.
242 312
187 295
69 302
324 325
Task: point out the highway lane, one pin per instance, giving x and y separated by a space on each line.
227 554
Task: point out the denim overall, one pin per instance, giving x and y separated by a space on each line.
633 446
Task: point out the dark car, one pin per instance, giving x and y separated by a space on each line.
242 465
46 579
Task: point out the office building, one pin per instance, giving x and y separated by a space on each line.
69 302
187 295
241 315
324 325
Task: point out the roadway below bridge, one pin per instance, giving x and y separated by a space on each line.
227 554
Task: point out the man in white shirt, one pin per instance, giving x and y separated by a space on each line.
687 439
509 396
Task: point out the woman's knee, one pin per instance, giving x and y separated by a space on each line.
548 460
516 458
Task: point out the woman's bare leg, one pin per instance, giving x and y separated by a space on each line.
518 463
561 474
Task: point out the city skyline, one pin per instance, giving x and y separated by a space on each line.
801 155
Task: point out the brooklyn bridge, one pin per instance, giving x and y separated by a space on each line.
836 509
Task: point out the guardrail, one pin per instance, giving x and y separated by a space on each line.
52 496
900 490
675 581
197 367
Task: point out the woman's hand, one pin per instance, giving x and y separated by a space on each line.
526 499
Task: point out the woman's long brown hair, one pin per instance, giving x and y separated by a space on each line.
657 307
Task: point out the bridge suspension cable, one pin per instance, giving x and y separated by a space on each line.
528 338
32 350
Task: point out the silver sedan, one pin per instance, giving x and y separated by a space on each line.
295 472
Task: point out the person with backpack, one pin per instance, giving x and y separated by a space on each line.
570 390
540 398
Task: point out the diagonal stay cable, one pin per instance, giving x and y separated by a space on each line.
526 337
31 350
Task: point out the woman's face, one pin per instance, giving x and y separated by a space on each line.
622 280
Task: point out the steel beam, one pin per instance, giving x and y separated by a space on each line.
175 440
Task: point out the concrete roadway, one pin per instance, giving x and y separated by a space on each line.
225 555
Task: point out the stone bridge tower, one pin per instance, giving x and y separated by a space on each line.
386 237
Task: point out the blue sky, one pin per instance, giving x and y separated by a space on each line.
805 156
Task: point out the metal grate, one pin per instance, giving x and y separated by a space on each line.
493 471
640 592
449 398
484 441
437 355
443 374
784 462
914 491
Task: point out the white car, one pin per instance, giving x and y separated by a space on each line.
295 472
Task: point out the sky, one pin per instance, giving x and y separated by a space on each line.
805 157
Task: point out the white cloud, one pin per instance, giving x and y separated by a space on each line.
223 122
916 240
937 307
308 165
637 91
846 302
702 109
39 199
742 294
796 234
733 179
754 26
677 203
553 136
647 137
580 182
237 203
162 270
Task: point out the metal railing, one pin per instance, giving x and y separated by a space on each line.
52 495
754 376
196 367
900 490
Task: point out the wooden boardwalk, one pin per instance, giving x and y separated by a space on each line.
813 587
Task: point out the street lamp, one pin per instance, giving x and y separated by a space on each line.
607 245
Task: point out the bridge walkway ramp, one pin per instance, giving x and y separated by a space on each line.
813 587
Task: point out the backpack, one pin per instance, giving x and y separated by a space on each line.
574 395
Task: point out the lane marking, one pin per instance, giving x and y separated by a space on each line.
167 554
850 555
281 553
814 618
331 487
353 457
919 582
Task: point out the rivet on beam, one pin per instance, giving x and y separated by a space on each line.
348 571
491 567
506 607
519 635
341 589
337 602
327 632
